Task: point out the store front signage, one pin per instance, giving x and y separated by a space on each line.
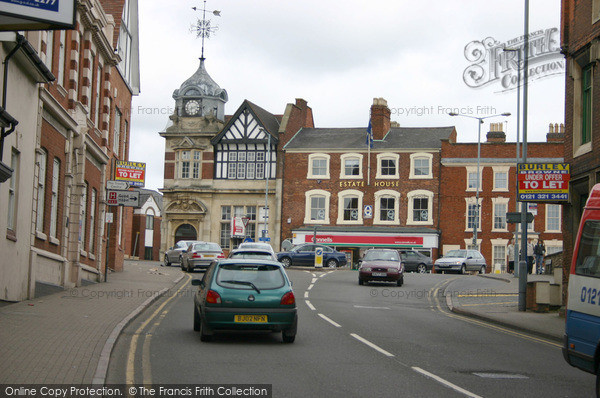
543 182
367 240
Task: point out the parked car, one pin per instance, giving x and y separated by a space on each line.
305 255
461 261
173 255
256 245
250 253
381 265
414 261
200 255
245 295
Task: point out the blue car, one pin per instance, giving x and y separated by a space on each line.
305 255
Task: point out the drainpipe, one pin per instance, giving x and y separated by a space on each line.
4 133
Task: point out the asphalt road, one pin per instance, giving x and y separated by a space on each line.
352 341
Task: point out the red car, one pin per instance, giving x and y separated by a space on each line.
381 265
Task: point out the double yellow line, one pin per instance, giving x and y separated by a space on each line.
146 370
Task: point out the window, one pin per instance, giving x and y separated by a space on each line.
125 41
120 233
500 178
41 200
184 164
49 48
226 213
196 165
54 200
12 192
500 216
318 166
351 165
420 165
588 257
499 257
473 216
225 235
317 207
349 207
149 222
586 105
553 218
242 164
420 207
386 207
117 132
82 221
92 220
60 78
387 165
98 95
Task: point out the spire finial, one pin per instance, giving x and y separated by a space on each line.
203 27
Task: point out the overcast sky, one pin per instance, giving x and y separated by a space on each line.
339 55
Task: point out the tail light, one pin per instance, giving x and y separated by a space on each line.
196 255
288 299
222 255
213 297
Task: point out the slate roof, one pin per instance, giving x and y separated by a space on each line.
269 121
355 138
146 193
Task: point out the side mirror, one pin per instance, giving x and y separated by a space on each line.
470 258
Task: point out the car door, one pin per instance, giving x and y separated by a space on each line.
306 255
472 260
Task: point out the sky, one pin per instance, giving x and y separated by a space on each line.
426 58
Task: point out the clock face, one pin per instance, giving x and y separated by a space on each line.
192 107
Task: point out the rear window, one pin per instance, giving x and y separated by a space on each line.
381 255
206 247
263 276
252 255
588 257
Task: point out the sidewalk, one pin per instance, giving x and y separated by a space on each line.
495 299
67 337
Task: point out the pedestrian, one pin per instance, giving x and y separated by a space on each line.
530 256
539 250
511 256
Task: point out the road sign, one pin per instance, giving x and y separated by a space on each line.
319 257
264 239
117 185
515 217
123 198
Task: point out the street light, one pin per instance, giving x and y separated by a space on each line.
476 223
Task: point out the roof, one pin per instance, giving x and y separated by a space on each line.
355 138
147 193
267 120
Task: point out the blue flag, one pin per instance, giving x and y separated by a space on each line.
369 140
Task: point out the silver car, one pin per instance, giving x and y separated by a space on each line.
461 261
174 254
200 255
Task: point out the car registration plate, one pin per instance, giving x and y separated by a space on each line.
251 318
379 274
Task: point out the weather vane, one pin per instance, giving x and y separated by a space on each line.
203 27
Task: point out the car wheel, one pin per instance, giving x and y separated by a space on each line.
361 282
400 281
422 269
463 269
482 270
331 263
205 334
286 261
197 321
167 263
182 266
288 337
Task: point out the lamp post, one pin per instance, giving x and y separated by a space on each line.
480 119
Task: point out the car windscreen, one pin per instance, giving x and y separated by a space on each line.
252 255
381 255
206 247
250 276
456 253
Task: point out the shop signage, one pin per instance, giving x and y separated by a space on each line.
367 240
132 172
543 182
37 14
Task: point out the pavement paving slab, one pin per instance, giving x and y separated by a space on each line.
67 337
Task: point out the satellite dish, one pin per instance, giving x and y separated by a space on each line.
286 245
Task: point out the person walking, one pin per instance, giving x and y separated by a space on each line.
539 251
511 257
530 256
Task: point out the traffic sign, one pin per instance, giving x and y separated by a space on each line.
515 217
319 257
123 198
117 185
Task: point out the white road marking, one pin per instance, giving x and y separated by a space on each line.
305 294
314 280
373 346
372 308
337 325
310 305
311 286
322 275
445 382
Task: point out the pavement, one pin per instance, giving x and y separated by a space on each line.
495 300
67 337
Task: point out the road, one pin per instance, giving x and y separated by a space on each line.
352 341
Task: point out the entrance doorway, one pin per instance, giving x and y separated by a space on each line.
185 232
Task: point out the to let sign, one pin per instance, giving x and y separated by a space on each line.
543 182
132 172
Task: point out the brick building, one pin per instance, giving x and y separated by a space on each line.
82 127
580 44
354 196
497 195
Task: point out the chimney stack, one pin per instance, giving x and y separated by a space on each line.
496 133
380 118
556 133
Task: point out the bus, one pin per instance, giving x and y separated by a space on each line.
582 328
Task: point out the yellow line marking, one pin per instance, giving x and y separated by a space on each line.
501 303
489 295
130 370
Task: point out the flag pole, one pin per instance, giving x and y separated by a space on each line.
369 145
